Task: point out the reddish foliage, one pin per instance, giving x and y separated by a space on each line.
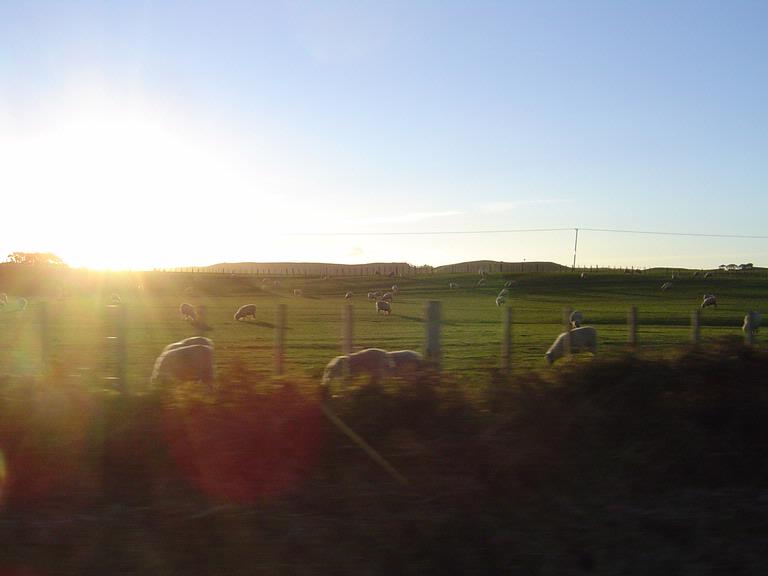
257 448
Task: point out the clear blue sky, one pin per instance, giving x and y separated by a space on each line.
160 133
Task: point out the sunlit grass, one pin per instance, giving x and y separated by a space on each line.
79 322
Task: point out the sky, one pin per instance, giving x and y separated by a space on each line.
157 134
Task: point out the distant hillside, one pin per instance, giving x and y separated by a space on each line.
314 268
373 268
493 266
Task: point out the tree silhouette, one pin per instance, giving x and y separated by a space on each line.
48 258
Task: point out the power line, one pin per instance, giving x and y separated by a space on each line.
693 234
422 233
526 230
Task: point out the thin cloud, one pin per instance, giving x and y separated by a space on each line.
507 205
412 217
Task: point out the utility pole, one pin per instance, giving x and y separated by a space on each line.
575 245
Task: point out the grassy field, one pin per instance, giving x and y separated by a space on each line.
631 464
79 322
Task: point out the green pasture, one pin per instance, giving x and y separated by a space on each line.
78 322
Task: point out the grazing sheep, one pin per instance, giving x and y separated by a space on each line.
115 298
387 297
185 363
752 321
452 285
500 300
709 300
348 295
404 363
371 361
191 341
576 319
246 310
666 286
582 338
21 304
298 292
382 306
187 312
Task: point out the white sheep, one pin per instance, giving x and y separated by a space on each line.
387 297
576 319
3 298
395 288
298 292
115 298
371 361
452 285
709 300
246 310
382 306
185 363
348 295
500 300
504 293
187 311
582 338
666 286
752 321
191 341
405 363
21 304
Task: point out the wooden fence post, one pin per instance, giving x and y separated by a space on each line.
567 331
432 349
506 342
280 339
347 324
749 333
696 327
45 336
632 321
116 338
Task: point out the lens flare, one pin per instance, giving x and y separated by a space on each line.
3 475
247 452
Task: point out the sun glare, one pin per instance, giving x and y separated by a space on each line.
119 186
